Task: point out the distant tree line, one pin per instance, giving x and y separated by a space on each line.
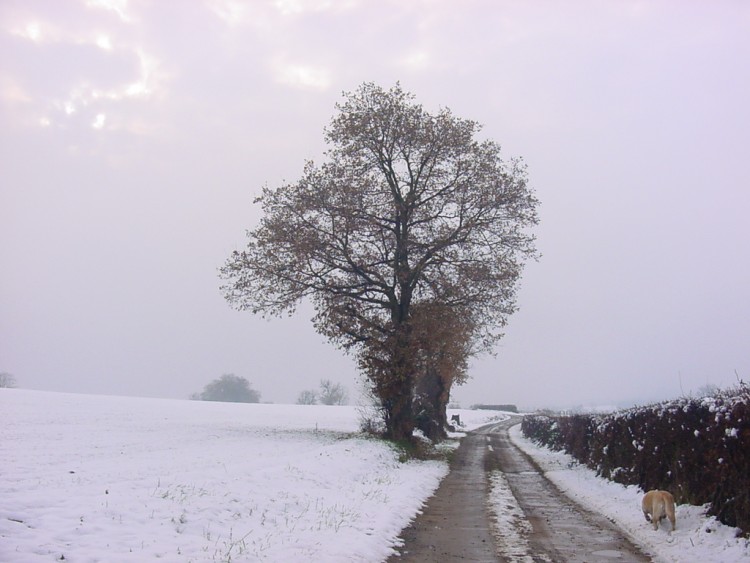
506 408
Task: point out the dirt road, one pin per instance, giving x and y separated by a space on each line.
455 524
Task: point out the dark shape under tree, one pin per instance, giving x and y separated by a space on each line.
444 337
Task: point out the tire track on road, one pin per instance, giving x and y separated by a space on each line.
453 525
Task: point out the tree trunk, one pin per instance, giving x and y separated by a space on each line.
399 416
398 392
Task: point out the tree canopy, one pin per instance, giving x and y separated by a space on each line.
229 388
410 208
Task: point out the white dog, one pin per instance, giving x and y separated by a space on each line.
658 505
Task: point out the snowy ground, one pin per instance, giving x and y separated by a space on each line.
697 538
94 478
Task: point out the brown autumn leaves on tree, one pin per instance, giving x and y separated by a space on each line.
409 241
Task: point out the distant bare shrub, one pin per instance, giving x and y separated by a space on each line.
7 380
370 413
308 397
332 393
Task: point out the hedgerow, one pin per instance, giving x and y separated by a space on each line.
696 448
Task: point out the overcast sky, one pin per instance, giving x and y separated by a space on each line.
135 134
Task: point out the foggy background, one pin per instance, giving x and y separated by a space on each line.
134 136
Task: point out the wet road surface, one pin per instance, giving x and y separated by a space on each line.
455 524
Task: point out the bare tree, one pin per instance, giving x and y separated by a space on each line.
332 393
409 208
307 397
7 379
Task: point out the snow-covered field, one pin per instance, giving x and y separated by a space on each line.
697 537
96 478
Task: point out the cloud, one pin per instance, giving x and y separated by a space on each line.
37 31
87 98
120 7
104 42
417 60
85 90
234 12
12 92
45 32
295 7
303 76
32 31
99 121
150 80
91 62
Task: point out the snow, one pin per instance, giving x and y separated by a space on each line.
508 522
697 537
97 478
